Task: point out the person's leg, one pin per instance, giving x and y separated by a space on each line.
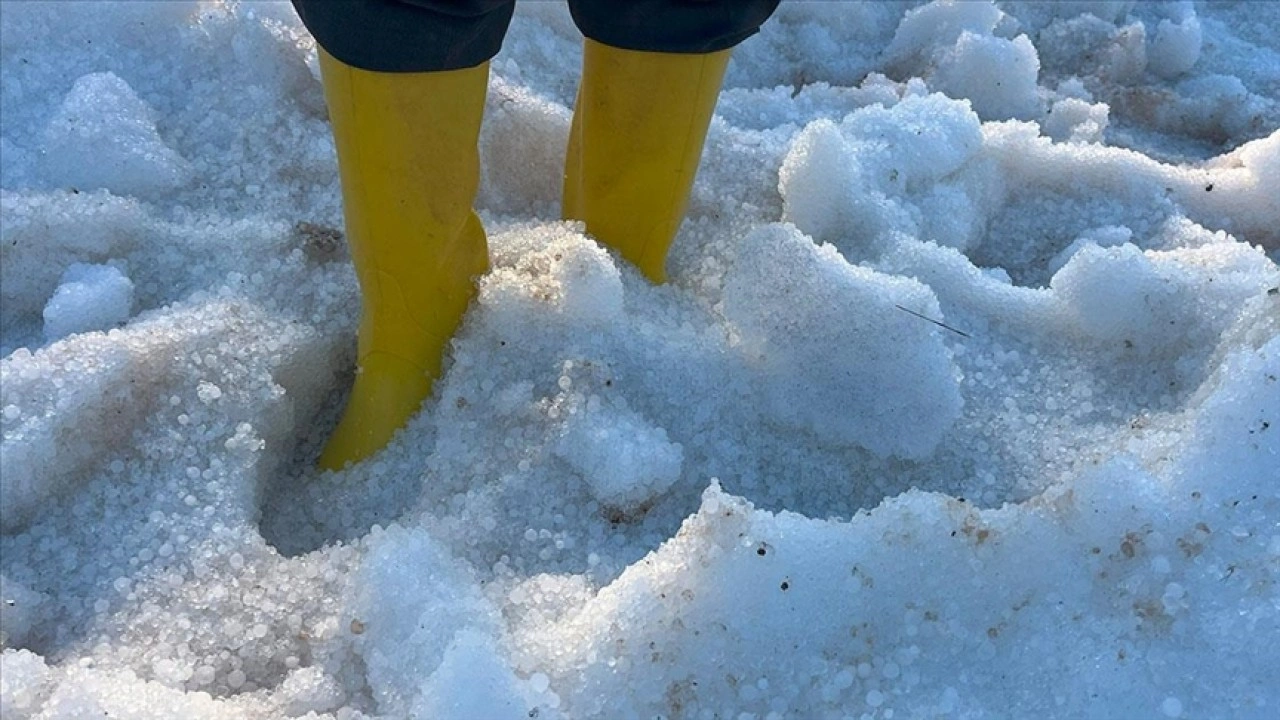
406 124
651 73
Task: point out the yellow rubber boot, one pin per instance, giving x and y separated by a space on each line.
638 128
408 158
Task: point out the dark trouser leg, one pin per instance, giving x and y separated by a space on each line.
671 26
408 35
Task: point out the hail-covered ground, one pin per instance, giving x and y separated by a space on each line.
962 402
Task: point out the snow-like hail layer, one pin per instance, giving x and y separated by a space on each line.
962 401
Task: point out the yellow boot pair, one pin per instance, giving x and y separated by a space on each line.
408 158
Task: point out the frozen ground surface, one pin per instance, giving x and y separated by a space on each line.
769 489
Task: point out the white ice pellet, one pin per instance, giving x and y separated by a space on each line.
203 675
310 690
1175 49
539 682
88 297
208 392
